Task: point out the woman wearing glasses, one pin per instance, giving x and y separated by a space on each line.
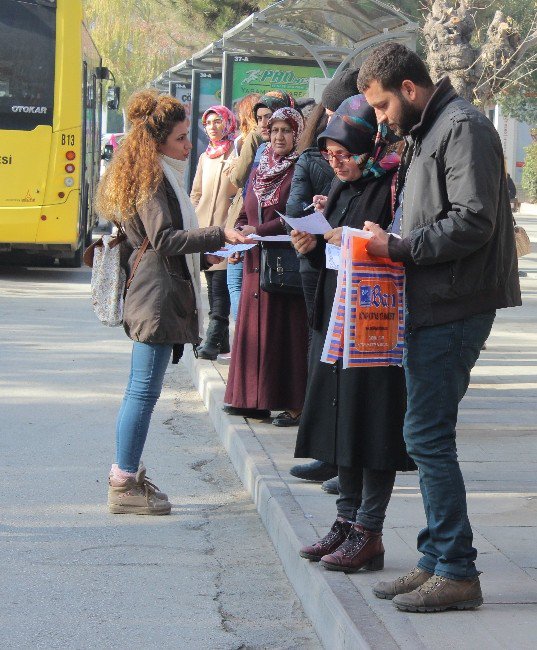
352 418
212 193
268 366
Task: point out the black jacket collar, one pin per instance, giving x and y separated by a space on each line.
443 94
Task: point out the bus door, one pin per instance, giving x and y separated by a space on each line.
27 66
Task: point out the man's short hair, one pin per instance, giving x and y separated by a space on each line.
390 64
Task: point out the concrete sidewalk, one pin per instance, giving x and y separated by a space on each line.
497 442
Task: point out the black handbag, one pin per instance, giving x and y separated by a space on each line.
279 268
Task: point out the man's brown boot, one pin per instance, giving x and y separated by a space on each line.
337 535
412 580
362 549
440 593
136 495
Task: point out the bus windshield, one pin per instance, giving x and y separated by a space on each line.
27 55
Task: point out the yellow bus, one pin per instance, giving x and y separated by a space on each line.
50 129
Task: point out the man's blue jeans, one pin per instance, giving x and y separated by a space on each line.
148 365
437 362
234 285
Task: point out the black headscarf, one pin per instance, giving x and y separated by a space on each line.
274 103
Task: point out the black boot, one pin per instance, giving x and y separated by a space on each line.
211 347
224 342
317 470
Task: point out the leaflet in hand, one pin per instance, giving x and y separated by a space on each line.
333 257
315 224
230 250
270 238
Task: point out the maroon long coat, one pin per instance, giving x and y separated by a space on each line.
269 362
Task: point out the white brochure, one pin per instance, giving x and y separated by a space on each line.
333 257
270 237
315 224
229 250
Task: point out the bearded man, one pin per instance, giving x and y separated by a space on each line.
453 230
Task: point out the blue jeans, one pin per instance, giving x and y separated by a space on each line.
234 285
437 362
148 365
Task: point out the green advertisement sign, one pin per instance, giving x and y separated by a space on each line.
245 75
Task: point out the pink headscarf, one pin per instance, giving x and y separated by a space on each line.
220 148
272 169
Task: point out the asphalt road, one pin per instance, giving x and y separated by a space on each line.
74 576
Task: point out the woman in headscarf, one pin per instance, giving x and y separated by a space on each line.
212 193
246 145
353 418
268 366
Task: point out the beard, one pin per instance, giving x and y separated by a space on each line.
408 117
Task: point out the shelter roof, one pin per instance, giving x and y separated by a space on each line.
331 32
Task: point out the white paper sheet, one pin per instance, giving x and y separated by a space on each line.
315 224
270 237
333 257
229 250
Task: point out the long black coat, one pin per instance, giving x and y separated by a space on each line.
352 417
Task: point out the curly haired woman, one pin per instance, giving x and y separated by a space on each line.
143 190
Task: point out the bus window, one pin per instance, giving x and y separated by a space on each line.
27 51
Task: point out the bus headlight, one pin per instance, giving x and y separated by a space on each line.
69 181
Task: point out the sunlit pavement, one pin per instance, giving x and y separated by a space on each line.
497 444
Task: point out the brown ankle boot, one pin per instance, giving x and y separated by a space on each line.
440 593
337 535
136 495
362 549
403 585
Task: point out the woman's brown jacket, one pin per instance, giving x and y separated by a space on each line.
160 306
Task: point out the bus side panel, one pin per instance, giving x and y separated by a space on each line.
22 190
67 93
55 223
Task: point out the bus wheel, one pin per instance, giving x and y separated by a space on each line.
73 262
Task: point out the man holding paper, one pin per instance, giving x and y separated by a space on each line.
457 244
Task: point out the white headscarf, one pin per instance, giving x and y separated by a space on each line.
174 170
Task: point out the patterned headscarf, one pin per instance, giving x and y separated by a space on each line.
272 168
381 156
220 148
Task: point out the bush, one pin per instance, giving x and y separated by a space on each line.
529 173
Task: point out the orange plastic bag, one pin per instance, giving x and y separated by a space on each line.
367 324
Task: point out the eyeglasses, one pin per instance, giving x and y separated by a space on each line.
215 122
340 157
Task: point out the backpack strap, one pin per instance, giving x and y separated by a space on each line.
139 256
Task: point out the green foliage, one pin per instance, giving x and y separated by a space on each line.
219 16
529 173
138 39
520 106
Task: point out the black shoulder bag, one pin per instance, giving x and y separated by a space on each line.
279 267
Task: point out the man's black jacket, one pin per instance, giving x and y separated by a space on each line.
457 227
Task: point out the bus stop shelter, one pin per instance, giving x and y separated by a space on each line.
293 45
329 32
